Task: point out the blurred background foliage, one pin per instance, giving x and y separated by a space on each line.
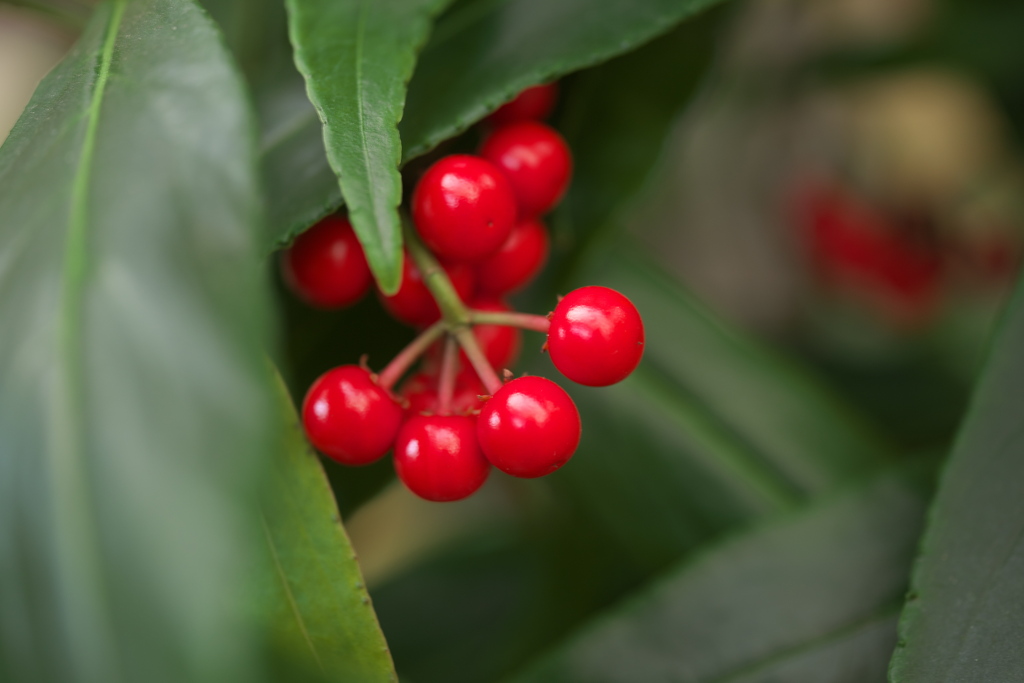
817 208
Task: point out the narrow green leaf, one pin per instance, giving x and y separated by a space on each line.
314 599
965 614
356 57
135 413
809 598
484 52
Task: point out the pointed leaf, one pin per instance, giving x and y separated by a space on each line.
481 54
811 598
314 599
966 611
356 57
134 408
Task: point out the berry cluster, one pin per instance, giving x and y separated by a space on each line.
478 236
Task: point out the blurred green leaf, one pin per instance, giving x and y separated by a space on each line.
357 57
802 432
455 616
135 411
966 611
713 429
313 599
483 53
812 597
616 118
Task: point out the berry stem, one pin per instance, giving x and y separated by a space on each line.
487 375
453 311
527 321
449 367
407 356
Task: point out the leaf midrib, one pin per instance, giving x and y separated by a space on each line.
75 524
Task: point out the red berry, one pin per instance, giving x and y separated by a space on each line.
437 457
326 266
463 207
596 336
413 304
529 428
533 103
349 418
536 161
520 258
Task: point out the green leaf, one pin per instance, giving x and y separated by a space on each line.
314 600
135 411
803 432
812 597
712 431
483 53
616 118
963 619
356 57
464 73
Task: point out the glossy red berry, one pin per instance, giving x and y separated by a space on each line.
349 418
463 208
518 260
437 457
529 428
326 266
596 336
536 160
413 304
533 103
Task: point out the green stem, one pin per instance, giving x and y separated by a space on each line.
407 356
487 375
453 311
449 368
527 321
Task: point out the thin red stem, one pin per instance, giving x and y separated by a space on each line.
407 356
527 321
487 375
449 368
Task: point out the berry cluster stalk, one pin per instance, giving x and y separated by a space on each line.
455 317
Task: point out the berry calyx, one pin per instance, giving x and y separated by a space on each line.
535 159
463 208
348 417
326 266
533 103
529 428
517 261
437 457
413 304
596 336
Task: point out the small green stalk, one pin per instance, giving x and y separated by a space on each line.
453 311
527 321
454 314
407 356
449 368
